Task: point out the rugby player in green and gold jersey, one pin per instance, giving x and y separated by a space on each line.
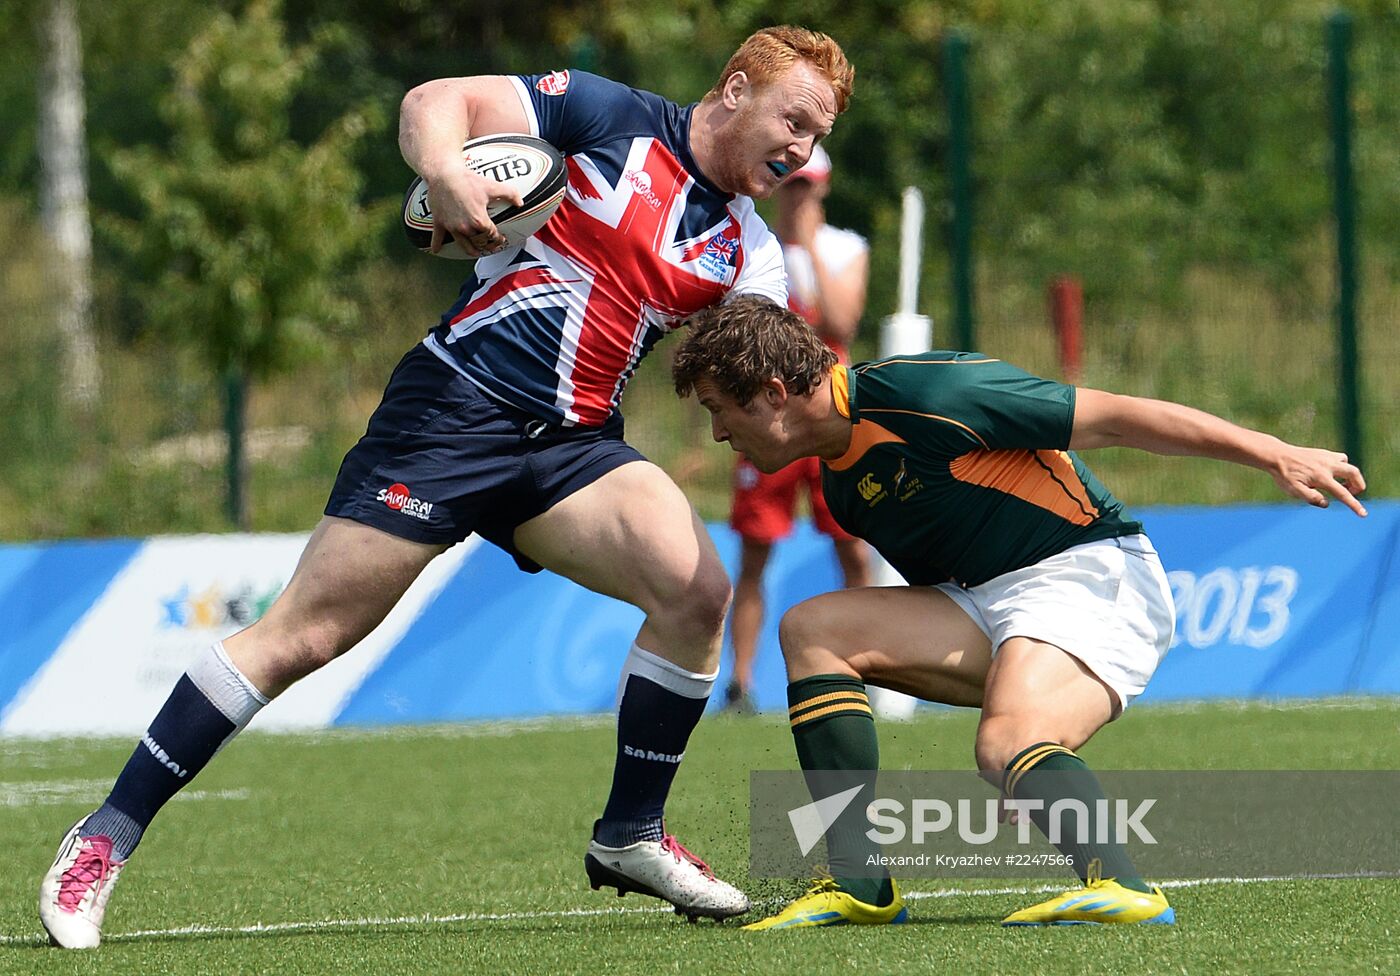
1033 595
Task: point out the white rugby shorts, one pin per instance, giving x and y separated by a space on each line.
1107 603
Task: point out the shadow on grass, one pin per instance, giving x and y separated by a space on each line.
957 919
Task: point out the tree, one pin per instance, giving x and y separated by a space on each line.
64 198
244 232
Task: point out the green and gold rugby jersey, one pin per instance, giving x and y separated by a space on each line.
958 468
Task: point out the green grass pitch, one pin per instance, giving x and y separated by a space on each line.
459 850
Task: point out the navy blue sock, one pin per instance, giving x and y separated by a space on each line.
654 722
186 733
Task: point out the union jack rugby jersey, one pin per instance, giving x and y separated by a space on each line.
557 325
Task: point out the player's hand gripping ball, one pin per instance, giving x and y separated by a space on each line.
528 165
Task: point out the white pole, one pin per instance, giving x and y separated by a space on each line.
906 331
911 248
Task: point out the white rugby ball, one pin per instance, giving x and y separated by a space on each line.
527 164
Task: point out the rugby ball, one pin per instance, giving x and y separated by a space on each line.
529 165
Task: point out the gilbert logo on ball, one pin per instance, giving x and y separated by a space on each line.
530 166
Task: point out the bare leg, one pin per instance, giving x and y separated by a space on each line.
747 619
632 535
1037 692
911 639
1041 704
348 579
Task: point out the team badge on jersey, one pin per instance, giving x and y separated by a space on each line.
719 254
871 490
554 83
906 486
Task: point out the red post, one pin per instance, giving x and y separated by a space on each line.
1067 313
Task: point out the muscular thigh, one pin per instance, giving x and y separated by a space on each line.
353 571
908 638
1037 692
631 534
348 579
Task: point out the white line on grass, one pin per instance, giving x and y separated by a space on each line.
341 923
1179 883
52 792
262 928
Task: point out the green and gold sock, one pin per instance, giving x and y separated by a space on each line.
1048 772
834 731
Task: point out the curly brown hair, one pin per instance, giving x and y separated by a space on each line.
767 53
740 345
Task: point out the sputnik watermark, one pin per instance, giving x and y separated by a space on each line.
935 816
950 861
1171 823
1114 821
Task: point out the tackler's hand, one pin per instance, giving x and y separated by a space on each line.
1314 474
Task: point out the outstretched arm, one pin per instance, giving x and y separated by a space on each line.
1113 420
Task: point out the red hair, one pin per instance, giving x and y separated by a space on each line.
770 52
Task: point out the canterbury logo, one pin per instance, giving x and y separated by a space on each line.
869 487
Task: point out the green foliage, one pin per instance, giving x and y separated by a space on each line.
1173 154
30 400
20 78
244 233
1124 141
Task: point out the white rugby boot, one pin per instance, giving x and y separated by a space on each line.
73 895
664 869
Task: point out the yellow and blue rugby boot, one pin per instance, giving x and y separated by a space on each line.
826 904
1102 901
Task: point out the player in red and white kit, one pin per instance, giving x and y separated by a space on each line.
827 269
504 422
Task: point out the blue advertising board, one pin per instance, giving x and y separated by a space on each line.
1273 602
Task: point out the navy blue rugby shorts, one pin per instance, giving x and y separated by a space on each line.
441 460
